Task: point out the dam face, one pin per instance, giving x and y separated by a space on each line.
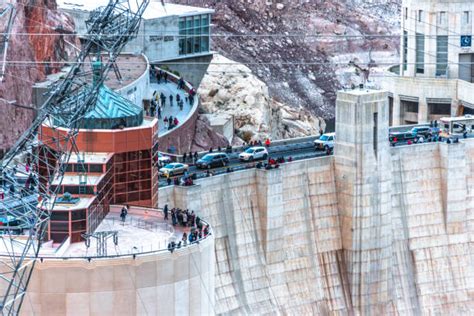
373 229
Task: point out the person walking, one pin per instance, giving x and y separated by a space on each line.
163 99
171 100
165 211
123 214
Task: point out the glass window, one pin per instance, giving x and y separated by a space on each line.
420 15
420 53
197 21
95 168
405 50
78 214
466 17
442 18
60 216
441 55
194 34
59 226
205 20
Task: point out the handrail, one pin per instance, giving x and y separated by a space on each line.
131 255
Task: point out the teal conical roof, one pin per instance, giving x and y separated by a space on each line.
112 111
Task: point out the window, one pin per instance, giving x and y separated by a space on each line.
442 18
420 53
466 17
406 13
374 134
405 50
441 55
420 16
194 34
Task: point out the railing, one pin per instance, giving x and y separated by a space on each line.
130 254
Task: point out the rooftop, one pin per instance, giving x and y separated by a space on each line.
155 9
82 203
131 68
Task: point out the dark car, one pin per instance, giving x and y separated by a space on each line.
424 131
401 137
213 160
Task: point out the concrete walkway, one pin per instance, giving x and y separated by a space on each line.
167 89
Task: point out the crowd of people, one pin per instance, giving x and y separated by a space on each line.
186 219
159 100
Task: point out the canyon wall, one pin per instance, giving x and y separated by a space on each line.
30 57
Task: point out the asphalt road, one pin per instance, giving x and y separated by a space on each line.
297 151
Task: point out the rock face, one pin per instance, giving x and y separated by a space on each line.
40 17
231 88
205 137
290 45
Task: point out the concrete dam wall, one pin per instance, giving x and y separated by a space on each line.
372 229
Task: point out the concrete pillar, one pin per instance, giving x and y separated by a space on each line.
270 204
454 170
455 104
422 110
397 111
363 182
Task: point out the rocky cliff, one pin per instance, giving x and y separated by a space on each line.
26 47
299 47
232 88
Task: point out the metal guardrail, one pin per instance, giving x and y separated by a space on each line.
129 254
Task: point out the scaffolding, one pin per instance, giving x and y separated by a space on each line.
37 159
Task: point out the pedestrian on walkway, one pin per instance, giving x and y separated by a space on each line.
165 211
165 120
163 99
123 214
176 122
171 100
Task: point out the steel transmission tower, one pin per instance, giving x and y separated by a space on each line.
34 162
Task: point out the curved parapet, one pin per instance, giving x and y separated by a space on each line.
147 280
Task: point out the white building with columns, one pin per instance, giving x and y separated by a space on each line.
436 72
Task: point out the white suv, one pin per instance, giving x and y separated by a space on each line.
254 153
325 142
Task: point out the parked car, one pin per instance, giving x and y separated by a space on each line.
213 160
401 137
163 160
254 153
174 169
418 131
325 142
